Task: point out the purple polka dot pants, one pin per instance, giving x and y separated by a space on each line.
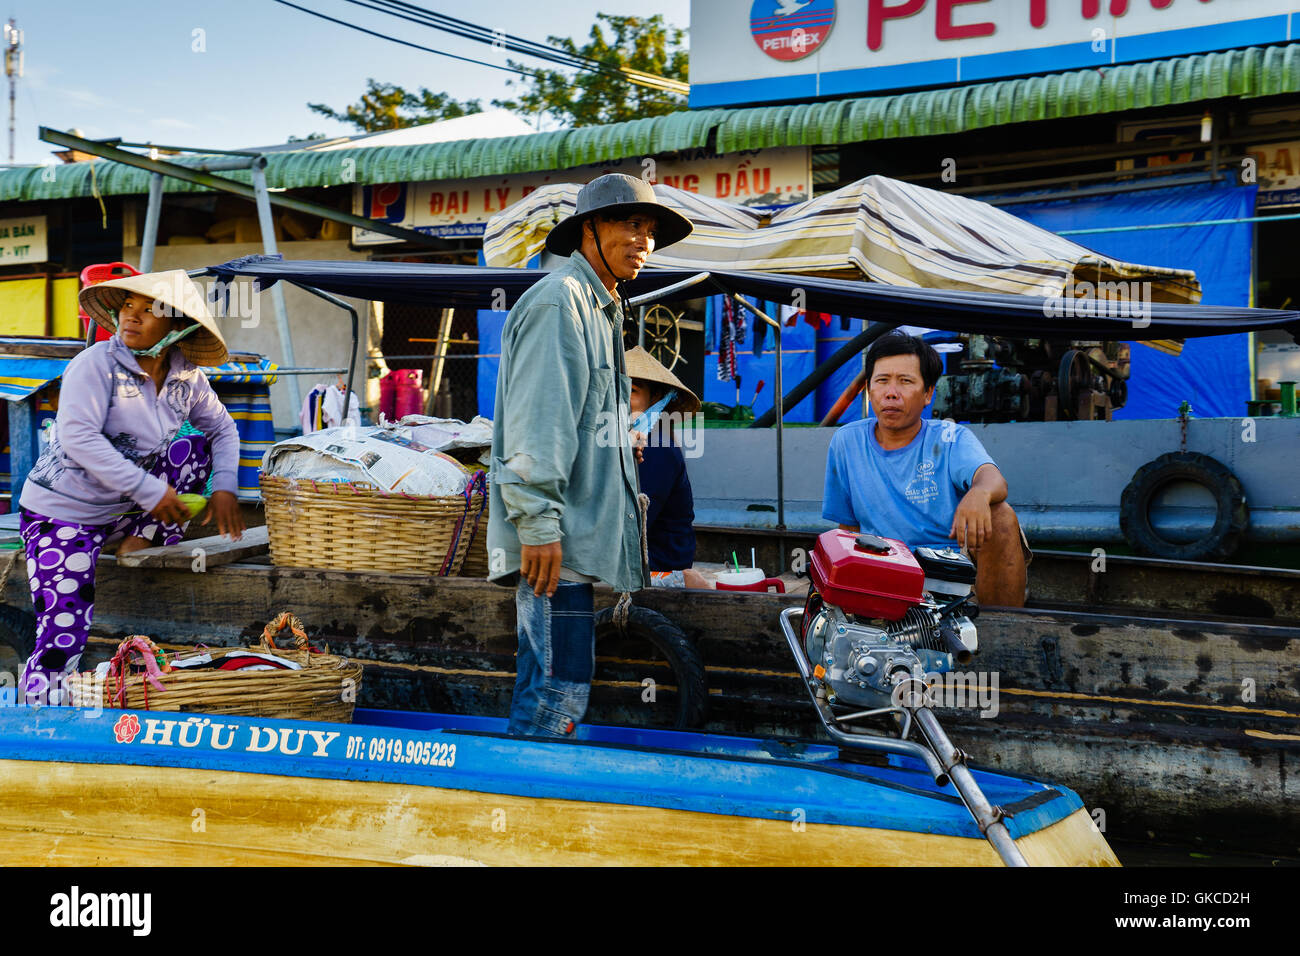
61 558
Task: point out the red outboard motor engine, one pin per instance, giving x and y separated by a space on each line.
878 615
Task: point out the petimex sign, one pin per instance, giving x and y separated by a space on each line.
751 51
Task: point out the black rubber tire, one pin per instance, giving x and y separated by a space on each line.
1231 519
18 630
682 656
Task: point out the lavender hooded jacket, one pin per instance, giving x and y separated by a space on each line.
112 427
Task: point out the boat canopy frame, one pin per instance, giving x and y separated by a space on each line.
987 313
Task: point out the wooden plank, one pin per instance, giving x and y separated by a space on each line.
216 550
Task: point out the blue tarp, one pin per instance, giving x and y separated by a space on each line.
1213 374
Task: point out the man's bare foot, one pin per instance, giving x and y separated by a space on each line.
133 543
693 579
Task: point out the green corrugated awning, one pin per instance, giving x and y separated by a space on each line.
1257 71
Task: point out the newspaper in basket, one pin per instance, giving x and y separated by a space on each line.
374 499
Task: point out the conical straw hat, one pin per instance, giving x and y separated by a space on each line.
175 290
641 364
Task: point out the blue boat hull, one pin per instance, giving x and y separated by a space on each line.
398 787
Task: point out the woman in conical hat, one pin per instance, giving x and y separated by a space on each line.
659 400
119 457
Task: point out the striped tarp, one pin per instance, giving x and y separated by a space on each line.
249 405
876 228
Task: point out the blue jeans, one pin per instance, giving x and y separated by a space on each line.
555 661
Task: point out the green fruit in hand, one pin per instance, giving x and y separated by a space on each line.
194 503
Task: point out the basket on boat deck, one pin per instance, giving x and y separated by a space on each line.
353 526
324 688
476 557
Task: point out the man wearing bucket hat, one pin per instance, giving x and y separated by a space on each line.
659 401
564 493
116 460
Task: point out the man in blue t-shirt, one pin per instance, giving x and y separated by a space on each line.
924 482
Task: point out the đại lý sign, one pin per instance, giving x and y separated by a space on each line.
22 241
762 178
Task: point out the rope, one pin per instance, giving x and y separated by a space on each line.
621 611
278 624
155 664
643 505
624 605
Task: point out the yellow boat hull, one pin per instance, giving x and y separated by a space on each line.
59 814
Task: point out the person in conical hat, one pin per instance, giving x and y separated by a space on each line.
659 400
138 426
565 504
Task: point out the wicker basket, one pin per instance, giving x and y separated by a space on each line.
353 526
476 558
325 689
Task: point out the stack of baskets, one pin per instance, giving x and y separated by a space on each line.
324 689
353 526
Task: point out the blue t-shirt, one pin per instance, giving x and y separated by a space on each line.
909 493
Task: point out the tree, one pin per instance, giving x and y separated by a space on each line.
647 44
388 106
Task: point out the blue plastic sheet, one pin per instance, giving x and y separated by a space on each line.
1213 374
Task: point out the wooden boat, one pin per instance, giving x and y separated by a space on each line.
1148 718
129 788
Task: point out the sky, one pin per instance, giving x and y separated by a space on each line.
226 74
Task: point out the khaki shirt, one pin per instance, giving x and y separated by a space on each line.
563 467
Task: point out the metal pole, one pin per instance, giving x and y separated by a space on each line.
780 408
149 241
824 371
440 359
356 338
191 174
267 224
987 816
780 436
14 70
640 328
646 298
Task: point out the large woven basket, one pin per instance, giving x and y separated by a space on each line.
324 689
476 558
353 526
